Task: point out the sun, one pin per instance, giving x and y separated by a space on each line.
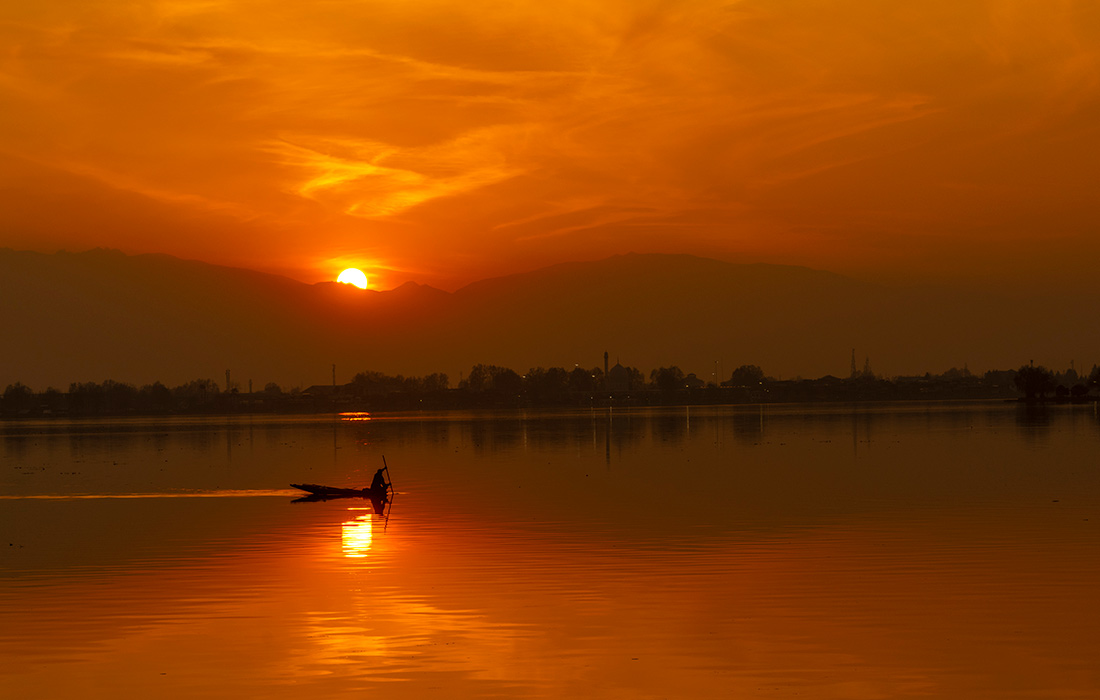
353 276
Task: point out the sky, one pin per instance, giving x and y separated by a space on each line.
445 142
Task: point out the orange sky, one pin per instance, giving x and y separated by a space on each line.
444 142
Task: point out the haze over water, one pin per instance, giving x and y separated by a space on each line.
889 551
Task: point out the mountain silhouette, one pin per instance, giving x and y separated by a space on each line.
102 314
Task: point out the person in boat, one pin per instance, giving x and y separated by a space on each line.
378 484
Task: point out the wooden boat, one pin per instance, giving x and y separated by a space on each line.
379 495
337 492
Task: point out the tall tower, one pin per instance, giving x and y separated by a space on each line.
606 378
853 374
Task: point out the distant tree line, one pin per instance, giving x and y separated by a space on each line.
491 386
110 398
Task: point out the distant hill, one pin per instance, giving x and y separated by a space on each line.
101 314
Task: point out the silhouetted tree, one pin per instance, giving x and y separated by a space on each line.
1067 378
197 393
490 378
546 385
956 374
371 383
17 398
1034 381
436 381
85 397
534 381
596 373
867 373
580 379
479 379
197 387
118 397
410 385
746 375
155 396
273 389
53 400
506 381
668 380
1006 377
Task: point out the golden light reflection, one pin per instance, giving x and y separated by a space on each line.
355 415
356 535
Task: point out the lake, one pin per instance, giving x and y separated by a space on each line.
877 551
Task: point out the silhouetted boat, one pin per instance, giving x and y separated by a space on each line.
379 494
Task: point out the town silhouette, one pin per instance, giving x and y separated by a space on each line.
492 387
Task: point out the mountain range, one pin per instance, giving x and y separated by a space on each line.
102 314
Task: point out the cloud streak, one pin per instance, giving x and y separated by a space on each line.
510 135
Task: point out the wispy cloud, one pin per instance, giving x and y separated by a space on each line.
370 179
438 130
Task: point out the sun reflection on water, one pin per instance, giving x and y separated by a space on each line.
356 535
355 416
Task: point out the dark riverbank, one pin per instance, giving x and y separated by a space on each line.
113 399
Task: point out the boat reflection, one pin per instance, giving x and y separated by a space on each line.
378 501
356 534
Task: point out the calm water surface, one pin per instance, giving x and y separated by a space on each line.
897 551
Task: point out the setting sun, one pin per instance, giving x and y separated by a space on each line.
353 276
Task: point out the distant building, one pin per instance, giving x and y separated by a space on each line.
322 390
618 378
693 382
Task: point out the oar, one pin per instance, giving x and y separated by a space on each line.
386 467
390 491
389 487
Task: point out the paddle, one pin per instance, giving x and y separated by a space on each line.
389 479
390 491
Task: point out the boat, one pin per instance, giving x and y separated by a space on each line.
378 492
337 492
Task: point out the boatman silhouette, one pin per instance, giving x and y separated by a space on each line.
379 482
